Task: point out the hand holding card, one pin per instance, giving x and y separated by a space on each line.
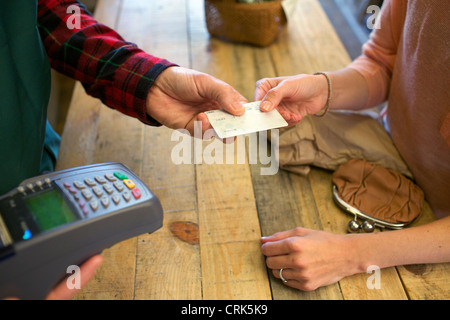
253 120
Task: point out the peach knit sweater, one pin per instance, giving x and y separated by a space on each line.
407 62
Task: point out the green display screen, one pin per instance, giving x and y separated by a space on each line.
49 210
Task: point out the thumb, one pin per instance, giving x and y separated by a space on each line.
227 97
273 97
87 270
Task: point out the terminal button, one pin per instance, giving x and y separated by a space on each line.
94 204
98 192
120 175
126 195
79 185
110 177
116 198
129 183
39 184
90 182
119 186
81 203
86 194
136 193
72 190
108 188
105 201
100 179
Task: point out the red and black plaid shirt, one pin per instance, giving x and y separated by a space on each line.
116 71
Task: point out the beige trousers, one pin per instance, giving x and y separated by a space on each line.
329 141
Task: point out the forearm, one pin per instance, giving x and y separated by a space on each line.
349 90
110 68
429 243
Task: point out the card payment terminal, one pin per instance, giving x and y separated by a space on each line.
53 221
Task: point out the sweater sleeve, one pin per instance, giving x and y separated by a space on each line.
379 53
110 68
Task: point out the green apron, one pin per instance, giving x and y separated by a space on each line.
28 145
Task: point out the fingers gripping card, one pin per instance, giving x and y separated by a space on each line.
253 120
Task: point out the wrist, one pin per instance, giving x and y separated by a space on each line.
358 253
326 89
374 249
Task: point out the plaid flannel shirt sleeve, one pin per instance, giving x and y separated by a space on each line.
111 69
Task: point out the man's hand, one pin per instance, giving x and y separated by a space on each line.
87 270
62 292
180 96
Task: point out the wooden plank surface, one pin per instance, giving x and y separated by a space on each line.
232 264
168 267
214 214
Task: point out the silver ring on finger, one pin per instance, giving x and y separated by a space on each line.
281 276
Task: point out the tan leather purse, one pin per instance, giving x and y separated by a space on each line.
377 196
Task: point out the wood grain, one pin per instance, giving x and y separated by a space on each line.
230 205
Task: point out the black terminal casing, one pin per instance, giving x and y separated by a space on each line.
29 269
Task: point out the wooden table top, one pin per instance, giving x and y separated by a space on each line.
229 205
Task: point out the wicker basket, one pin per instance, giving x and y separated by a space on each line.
257 23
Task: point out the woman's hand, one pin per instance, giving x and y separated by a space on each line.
295 97
310 259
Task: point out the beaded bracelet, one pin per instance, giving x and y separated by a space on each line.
327 105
